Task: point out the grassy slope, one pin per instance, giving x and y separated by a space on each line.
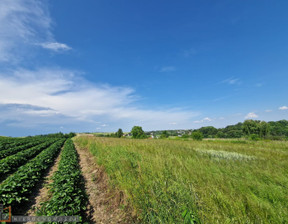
218 182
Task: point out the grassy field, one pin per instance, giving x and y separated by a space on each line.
170 181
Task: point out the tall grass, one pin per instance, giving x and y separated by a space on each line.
170 181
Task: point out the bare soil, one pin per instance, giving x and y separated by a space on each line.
104 203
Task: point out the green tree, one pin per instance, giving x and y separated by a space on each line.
220 134
137 132
164 134
208 132
197 135
251 127
264 129
119 133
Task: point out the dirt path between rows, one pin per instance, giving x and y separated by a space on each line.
43 194
103 205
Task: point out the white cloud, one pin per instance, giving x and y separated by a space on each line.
52 93
206 119
168 69
24 25
55 46
251 115
283 108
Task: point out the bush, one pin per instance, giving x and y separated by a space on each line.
197 135
254 137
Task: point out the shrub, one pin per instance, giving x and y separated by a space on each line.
197 135
254 137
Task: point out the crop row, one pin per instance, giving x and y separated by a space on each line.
11 163
18 187
13 150
5 142
68 195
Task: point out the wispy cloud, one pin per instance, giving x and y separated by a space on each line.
283 108
168 69
231 81
251 115
24 25
55 93
55 46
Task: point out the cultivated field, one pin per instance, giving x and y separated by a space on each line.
47 176
172 181
112 180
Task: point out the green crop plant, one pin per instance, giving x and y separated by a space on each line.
11 163
67 189
18 187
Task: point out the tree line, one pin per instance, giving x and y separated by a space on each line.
252 129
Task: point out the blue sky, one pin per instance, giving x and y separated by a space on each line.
94 65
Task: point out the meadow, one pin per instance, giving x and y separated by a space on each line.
173 181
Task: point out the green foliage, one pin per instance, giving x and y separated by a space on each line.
185 136
119 133
254 128
68 196
13 150
264 129
208 132
254 137
164 134
197 135
279 128
220 134
17 188
11 163
8 143
137 132
250 127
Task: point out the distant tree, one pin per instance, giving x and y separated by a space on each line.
185 136
137 132
197 135
278 128
234 134
220 134
256 128
164 134
264 129
112 135
119 133
208 132
70 135
251 127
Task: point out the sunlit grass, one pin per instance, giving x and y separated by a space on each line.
215 182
